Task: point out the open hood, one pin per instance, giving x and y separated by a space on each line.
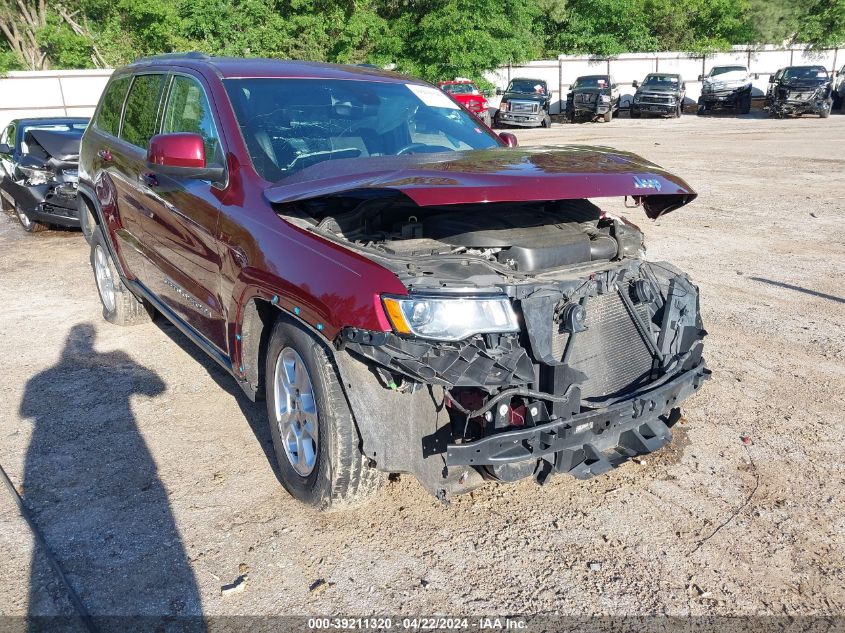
495 175
60 144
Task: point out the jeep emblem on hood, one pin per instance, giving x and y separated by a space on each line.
646 183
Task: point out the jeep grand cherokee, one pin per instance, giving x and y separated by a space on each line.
406 291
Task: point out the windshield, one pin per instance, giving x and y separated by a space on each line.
291 124
460 89
527 85
661 81
721 70
805 72
591 82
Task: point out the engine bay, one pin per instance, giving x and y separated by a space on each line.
526 237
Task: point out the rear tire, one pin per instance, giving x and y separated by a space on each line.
314 435
29 225
120 306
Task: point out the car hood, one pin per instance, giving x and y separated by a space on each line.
495 175
61 145
463 97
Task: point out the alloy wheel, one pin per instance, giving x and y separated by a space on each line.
105 280
296 411
23 217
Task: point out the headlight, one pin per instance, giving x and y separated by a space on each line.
450 318
605 98
637 98
37 176
503 106
707 88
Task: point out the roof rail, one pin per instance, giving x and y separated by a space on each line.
166 56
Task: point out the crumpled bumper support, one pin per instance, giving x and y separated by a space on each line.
590 443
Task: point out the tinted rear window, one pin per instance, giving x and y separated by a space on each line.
108 116
139 118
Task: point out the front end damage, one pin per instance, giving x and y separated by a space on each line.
44 183
597 351
797 99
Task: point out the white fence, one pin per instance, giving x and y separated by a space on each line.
50 93
762 61
76 92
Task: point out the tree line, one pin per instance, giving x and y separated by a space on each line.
433 39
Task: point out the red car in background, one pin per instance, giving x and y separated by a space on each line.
468 95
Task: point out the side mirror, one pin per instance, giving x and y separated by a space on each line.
509 139
5 149
701 77
635 84
756 75
181 154
771 79
499 91
683 86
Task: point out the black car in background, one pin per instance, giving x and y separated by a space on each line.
659 93
525 103
591 97
800 90
38 171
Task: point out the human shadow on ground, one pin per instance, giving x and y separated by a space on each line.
92 488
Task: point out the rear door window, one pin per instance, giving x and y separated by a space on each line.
108 116
141 111
188 111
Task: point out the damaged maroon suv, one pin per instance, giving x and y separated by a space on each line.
407 290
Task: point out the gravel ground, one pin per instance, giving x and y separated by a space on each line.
150 475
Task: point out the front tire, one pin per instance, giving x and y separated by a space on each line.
745 103
29 225
314 435
120 306
546 122
607 117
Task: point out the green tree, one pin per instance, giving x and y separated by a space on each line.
439 39
699 25
603 27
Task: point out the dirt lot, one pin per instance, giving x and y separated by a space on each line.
150 475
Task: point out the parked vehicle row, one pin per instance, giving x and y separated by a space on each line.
792 90
349 243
